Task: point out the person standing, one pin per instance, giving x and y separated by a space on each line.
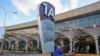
58 51
87 48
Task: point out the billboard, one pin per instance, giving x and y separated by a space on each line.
47 26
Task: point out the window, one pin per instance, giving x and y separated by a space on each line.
85 24
78 25
84 19
57 27
78 21
92 18
61 25
97 17
91 23
65 25
98 22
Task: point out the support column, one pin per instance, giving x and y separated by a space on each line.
9 45
26 47
97 46
71 46
38 44
74 44
95 32
17 46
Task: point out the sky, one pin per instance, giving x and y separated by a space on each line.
27 9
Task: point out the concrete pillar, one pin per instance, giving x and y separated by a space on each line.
74 42
97 45
70 35
17 44
38 44
26 47
71 45
9 45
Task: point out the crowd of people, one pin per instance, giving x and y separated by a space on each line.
59 50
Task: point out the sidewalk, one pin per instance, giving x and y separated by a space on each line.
11 54
20 53
83 55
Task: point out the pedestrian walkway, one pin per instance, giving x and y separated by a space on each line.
13 54
24 54
83 55
20 53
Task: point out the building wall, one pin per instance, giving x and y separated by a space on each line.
83 22
73 14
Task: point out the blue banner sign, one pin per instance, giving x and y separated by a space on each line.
47 26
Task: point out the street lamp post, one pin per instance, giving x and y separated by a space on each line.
6 12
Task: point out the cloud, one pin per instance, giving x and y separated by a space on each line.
74 4
25 6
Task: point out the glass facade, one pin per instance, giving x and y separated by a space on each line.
79 22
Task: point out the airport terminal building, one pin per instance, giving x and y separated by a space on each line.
78 28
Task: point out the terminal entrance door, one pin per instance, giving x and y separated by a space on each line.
6 45
64 42
84 44
21 45
15 46
99 43
33 46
